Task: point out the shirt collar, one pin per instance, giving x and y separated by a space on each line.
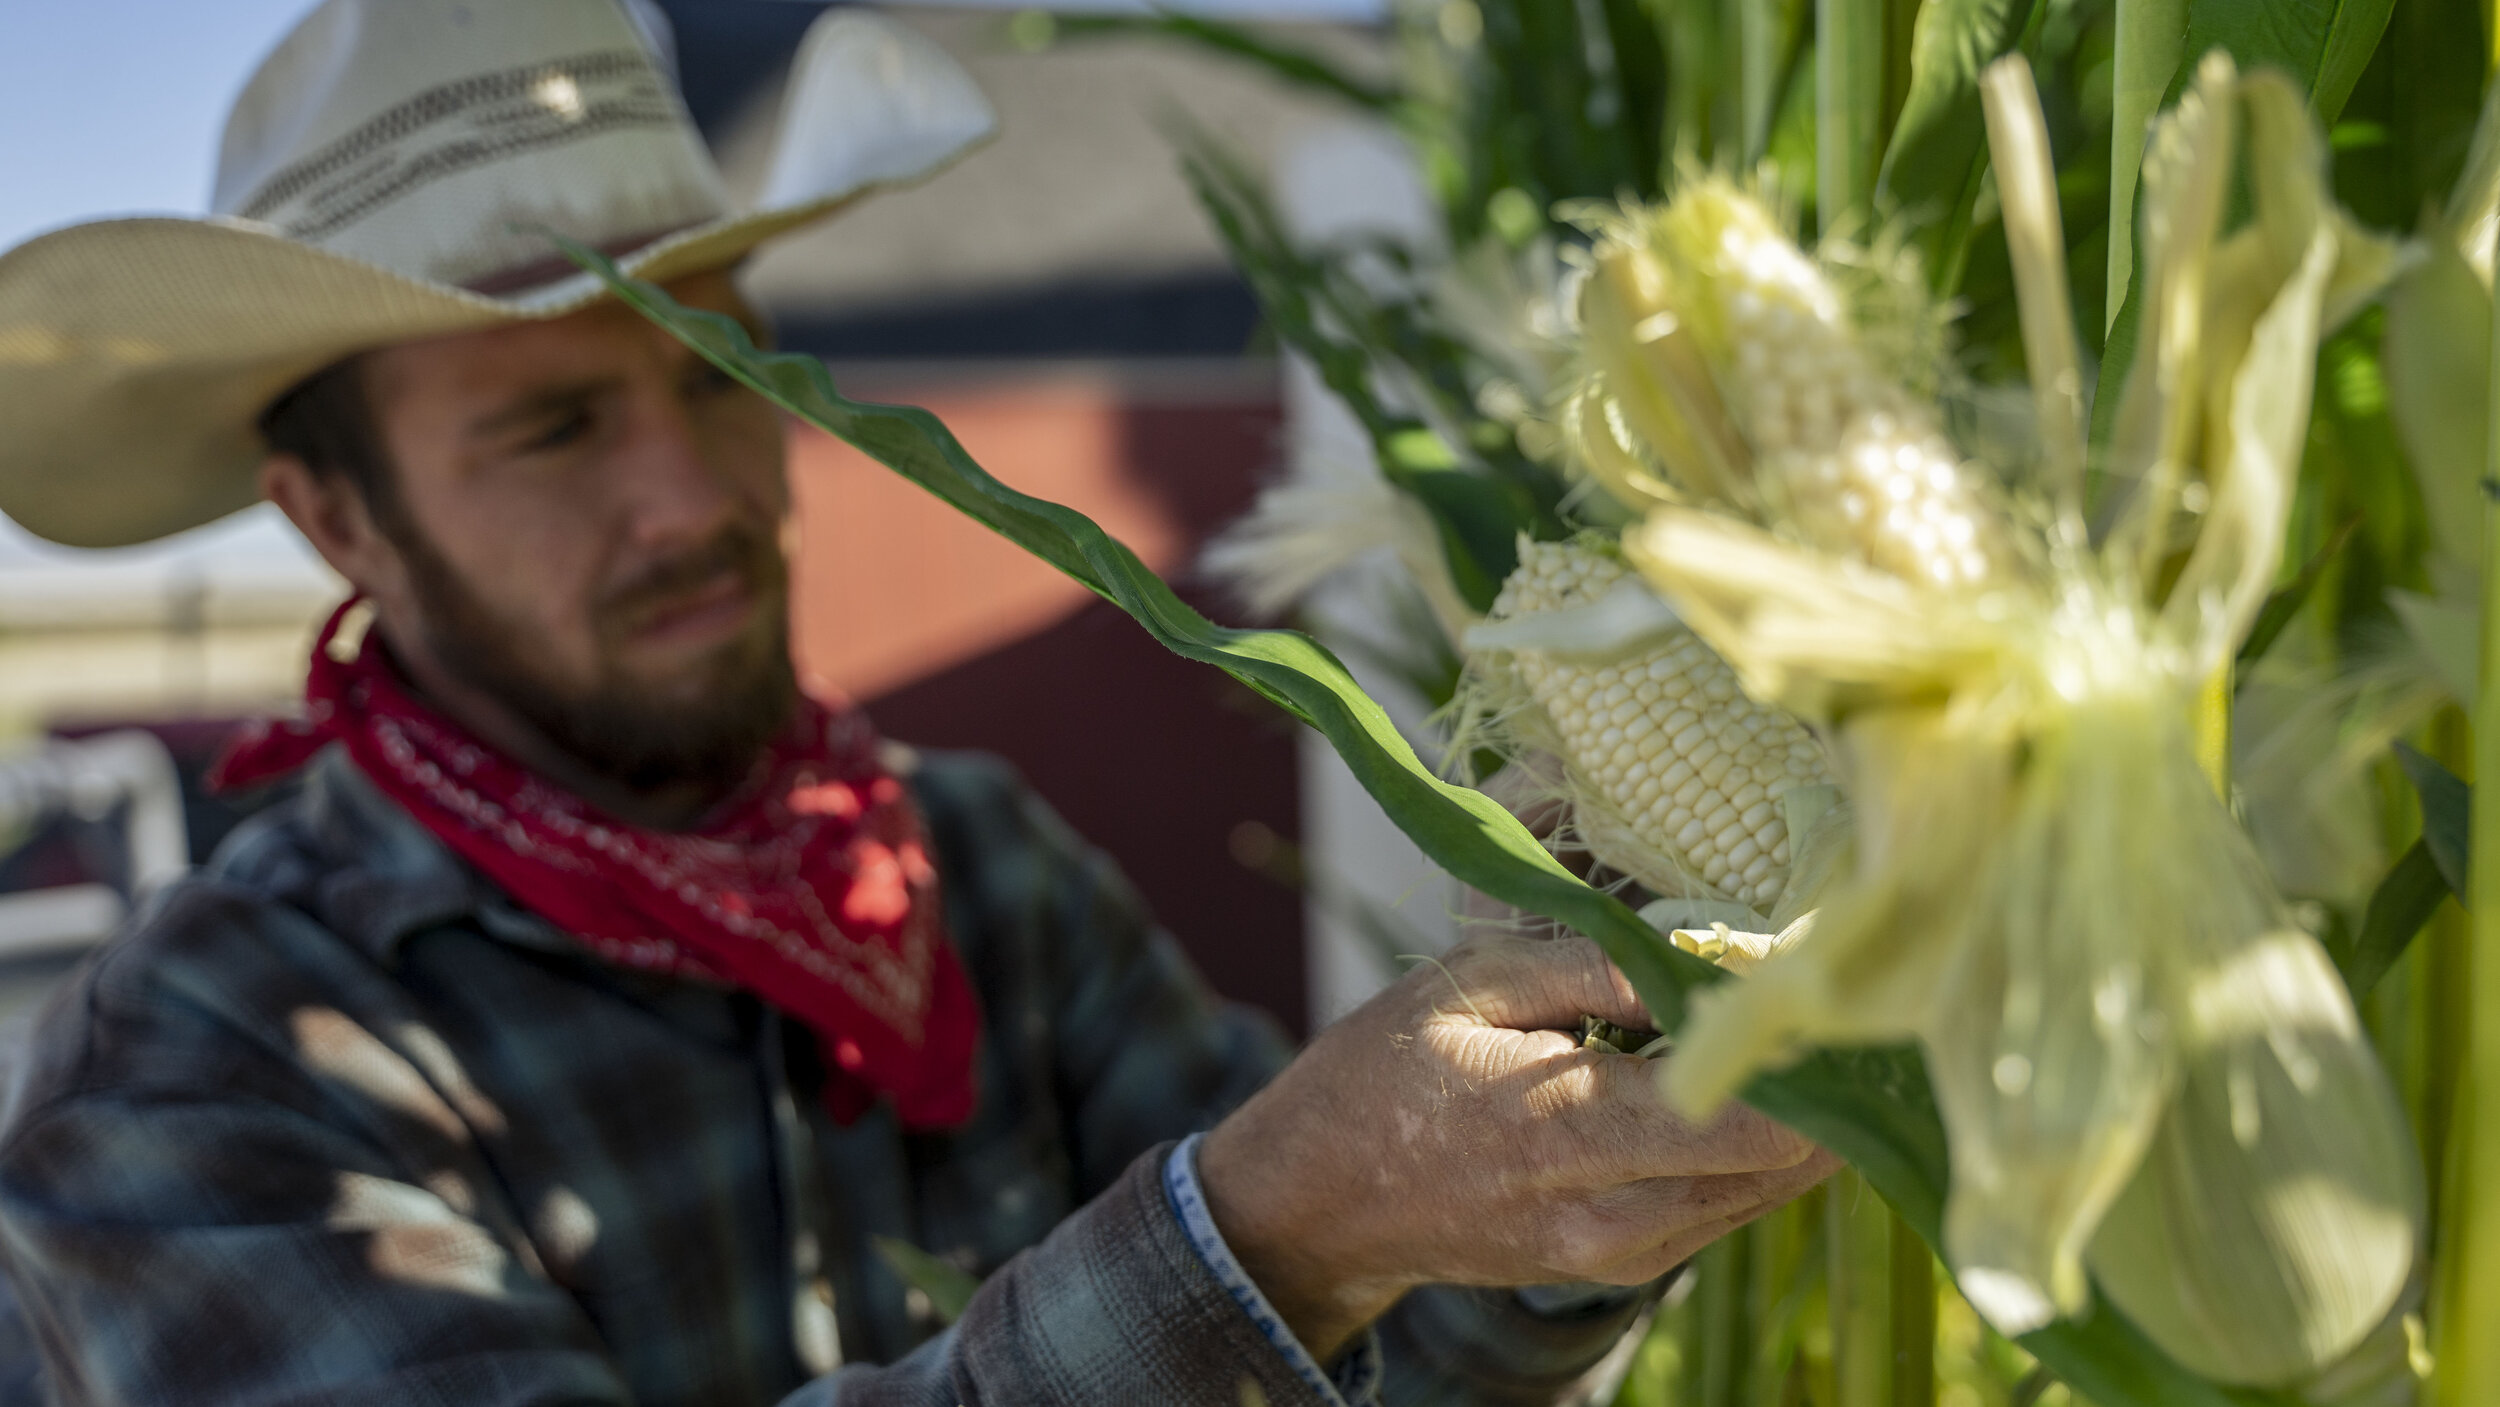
379 876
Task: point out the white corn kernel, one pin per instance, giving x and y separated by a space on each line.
1666 736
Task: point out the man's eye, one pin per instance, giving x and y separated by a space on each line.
563 432
705 379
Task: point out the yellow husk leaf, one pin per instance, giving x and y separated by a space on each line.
2306 1225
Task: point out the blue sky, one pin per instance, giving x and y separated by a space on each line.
113 106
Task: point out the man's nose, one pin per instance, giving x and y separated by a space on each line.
669 489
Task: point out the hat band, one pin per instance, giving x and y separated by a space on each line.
537 273
457 126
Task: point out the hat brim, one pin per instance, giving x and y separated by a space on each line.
147 349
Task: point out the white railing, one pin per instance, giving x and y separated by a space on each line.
89 779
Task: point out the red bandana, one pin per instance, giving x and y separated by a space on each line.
813 890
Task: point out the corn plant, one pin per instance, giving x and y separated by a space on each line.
1511 480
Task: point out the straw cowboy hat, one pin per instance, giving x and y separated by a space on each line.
390 173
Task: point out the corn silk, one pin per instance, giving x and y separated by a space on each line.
2148 1072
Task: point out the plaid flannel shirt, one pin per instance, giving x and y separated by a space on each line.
338 1123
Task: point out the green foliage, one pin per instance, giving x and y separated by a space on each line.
2447 817
2287 600
2323 44
2403 902
2437 358
1849 111
2071 58
1561 101
2400 142
1937 138
1931 166
948 1287
2356 470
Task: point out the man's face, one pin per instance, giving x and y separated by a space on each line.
588 515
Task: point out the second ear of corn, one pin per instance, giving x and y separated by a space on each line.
1680 775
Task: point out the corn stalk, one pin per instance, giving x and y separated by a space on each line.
1848 110
2468 1354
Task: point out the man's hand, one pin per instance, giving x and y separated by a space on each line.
1449 1132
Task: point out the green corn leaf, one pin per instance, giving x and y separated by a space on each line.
1774 39
1937 139
2323 44
1640 88
2117 359
948 1287
2403 902
1699 81
2148 37
2467 1276
1479 522
1298 67
2437 353
1560 121
2286 600
2447 815
2419 97
1872 1106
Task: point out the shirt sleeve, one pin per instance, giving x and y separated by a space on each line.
1137 1299
1356 1381
1115 1306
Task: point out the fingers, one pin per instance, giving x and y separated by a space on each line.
1599 1119
1539 985
1611 1102
1530 984
1770 1192
1666 1221
1648 1264
1736 1198
1814 1170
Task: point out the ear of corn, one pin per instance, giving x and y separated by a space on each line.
1677 777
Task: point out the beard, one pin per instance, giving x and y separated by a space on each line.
709 730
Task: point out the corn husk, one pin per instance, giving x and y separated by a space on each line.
2144 1066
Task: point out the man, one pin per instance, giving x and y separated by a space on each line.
598 1002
